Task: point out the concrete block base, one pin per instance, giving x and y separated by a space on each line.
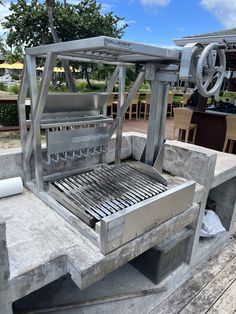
6 309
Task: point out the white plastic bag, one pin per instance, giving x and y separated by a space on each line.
211 224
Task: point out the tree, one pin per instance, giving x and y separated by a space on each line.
3 46
33 24
65 63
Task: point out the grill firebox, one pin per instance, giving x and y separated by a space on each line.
104 191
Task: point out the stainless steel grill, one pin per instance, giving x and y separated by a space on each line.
120 202
104 191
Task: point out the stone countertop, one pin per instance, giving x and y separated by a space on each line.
36 234
219 113
42 246
225 168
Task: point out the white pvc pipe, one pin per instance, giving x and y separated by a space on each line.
11 186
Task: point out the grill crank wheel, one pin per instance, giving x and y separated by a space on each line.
207 70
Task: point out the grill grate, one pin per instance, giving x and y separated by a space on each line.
104 191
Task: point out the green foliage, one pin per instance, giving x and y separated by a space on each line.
58 88
8 115
97 86
14 89
3 46
15 76
3 87
177 99
130 75
81 85
13 55
230 94
145 87
101 72
28 22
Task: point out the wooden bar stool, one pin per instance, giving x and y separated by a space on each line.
133 108
185 99
170 104
110 109
230 133
182 121
145 106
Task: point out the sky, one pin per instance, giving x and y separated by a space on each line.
159 21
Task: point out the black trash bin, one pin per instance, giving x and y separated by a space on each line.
159 261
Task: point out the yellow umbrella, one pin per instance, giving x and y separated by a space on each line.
17 66
58 70
5 66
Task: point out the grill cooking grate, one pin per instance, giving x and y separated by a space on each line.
104 191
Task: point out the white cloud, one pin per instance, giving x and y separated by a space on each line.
160 3
73 1
106 7
148 29
123 22
3 13
224 10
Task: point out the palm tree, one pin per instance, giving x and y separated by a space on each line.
65 63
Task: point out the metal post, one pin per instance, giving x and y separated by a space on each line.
40 102
154 122
159 150
128 100
110 87
22 117
163 117
31 73
37 105
122 70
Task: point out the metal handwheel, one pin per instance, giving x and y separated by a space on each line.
207 70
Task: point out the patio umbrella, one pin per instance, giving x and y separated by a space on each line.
17 66
56 69
13 66
5 66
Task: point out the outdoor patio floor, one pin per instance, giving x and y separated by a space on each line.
141 125
210 289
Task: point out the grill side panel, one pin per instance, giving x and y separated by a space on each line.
120 228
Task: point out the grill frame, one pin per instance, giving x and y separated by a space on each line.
159 66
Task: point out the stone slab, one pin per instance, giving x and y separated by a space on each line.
42 247
190 161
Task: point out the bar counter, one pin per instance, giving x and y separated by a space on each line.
211 129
